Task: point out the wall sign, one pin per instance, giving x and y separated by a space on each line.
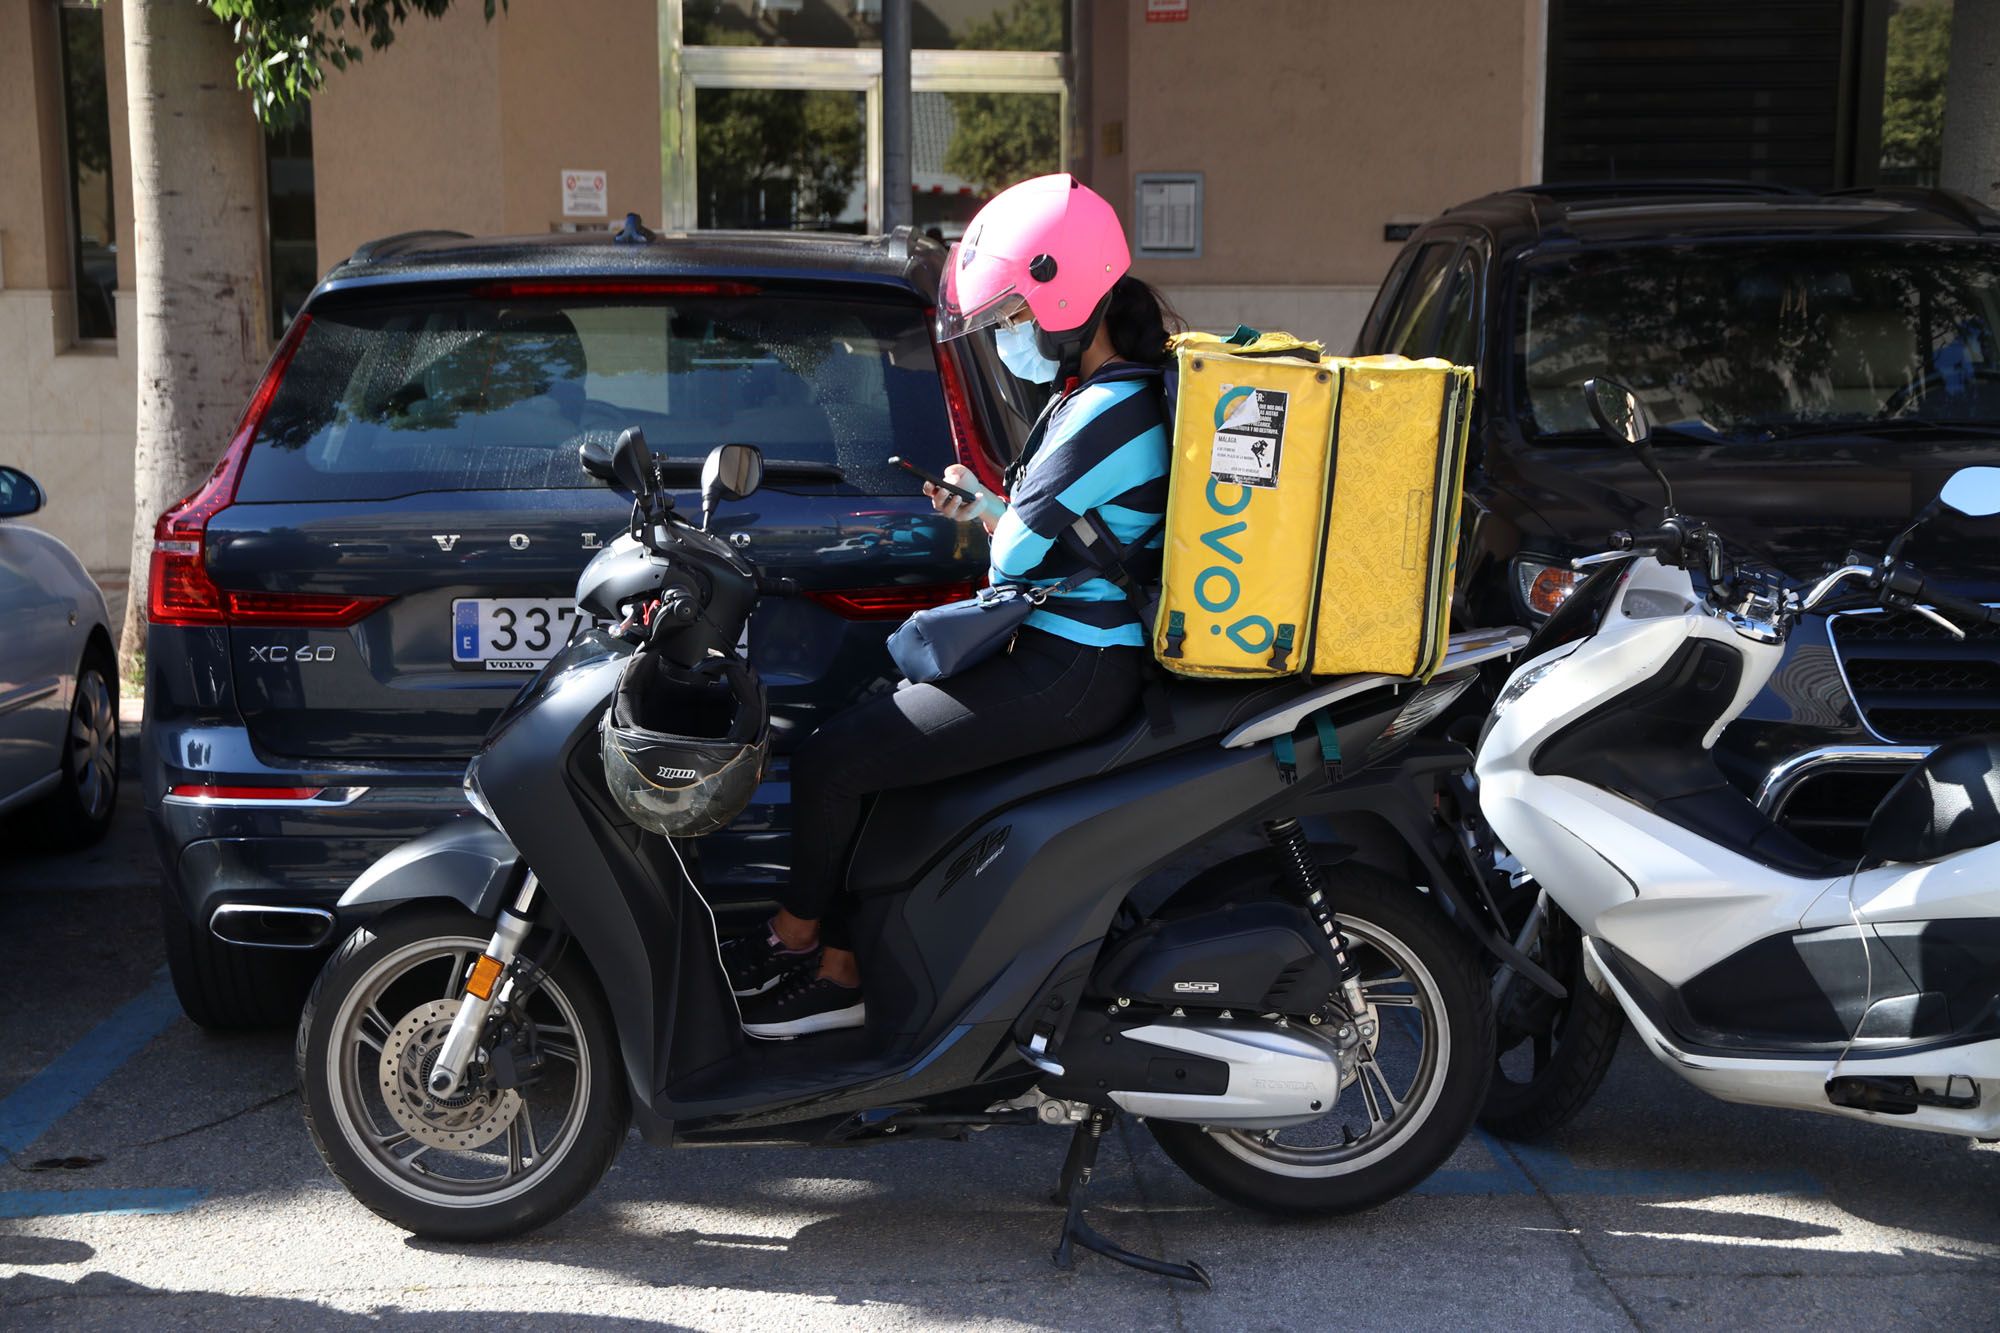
1166 11
583 194
1167 205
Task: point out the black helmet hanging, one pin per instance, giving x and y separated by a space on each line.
684 747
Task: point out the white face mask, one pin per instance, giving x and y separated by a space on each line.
1018 352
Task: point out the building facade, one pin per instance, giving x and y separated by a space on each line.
1268 155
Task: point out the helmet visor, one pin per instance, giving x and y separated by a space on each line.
961 311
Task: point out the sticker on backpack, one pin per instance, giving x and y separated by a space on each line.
1249 435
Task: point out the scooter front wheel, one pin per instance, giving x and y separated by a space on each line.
491 1161
1415 1093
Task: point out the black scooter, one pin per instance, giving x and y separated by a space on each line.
1302 1033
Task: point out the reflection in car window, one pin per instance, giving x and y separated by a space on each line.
1458 336
497 394
1762 340
1410 332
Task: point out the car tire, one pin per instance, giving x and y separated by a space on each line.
229 987
1569 1051
79 811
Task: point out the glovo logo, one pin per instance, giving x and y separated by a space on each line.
1218 588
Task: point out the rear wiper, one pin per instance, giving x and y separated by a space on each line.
676 470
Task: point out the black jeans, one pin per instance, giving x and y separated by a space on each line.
1045 694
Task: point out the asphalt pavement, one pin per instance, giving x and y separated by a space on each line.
162 1177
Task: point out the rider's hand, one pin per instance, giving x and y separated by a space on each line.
987 508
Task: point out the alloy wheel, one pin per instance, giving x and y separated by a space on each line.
92 758
485 1144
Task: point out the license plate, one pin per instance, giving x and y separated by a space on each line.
509 633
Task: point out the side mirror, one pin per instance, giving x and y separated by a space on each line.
730 472
595 456
1973 492
1622 417
632 464
1617 411
19 495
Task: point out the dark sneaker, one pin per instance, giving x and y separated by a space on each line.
805 1003
755 963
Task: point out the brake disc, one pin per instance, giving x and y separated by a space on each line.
470 1118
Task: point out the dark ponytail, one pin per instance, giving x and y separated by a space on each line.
1138 321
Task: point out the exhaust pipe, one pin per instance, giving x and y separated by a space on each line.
269 926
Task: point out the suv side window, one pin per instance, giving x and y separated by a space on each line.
1383 309
1458 333
1417 307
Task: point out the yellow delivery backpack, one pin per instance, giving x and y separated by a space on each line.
1312 510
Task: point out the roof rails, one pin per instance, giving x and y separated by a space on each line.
1612 189
384 246
1949 203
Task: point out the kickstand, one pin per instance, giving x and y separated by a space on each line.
1070 1190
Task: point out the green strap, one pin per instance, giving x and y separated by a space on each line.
1176 632
1244 336
1329 743
1288 759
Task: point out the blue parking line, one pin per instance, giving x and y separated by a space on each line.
15 1204
30 1110
1503 1177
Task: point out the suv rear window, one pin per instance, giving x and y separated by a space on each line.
459 394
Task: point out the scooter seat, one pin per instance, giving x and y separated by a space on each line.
1948 803
907 827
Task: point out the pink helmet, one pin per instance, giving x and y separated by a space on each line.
1049 247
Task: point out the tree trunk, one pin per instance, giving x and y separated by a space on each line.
1972 104
198 248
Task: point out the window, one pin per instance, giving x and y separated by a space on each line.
1913 79
394 399
93 236
293 261
1755 342
776 105
1458 335
1410 330
965 146
1015 25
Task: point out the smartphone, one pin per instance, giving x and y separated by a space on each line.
922 474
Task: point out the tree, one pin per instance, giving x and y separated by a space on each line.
1000 138
1913 90
197 219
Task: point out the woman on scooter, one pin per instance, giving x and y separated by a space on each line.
1044 265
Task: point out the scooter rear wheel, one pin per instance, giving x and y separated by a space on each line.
1416 1094
489 1162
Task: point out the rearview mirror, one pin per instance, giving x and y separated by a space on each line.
730 472
1973 492
632 463
595 456
1617 411
19 495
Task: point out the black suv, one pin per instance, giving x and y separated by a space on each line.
1817 365
387 549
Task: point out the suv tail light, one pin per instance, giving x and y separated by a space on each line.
898 602
968 440
179 590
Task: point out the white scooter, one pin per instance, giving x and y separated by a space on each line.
1754 967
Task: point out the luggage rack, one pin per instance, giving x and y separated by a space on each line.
1468 648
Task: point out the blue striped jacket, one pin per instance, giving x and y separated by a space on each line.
1102 446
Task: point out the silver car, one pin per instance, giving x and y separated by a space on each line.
58 679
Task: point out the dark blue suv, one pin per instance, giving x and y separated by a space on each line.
386 551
